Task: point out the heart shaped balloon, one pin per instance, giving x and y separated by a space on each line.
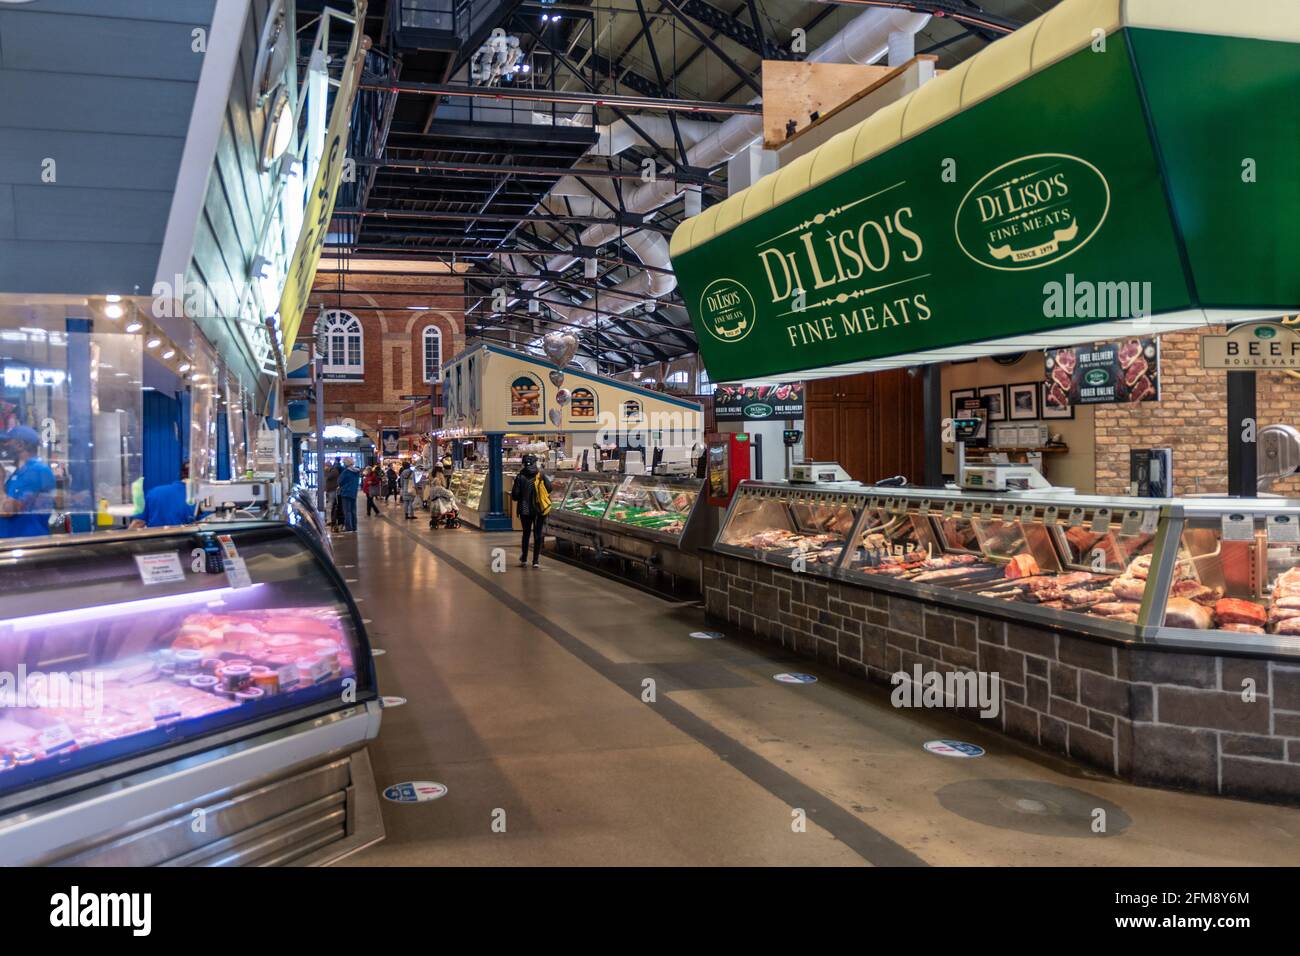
562 397
560 347
557 378
555 417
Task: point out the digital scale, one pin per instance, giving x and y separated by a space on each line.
226 496
817 472
994 476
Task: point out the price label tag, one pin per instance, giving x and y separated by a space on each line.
1075 518
159 568
873 503
1027 514
1131 521
1101 521
1238 527
1009 514
228 549
925 506
986 511
948 508
968 509
1283 529
237 573
1150 521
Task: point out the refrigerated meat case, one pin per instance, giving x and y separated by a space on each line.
217 672
647 523
1211 574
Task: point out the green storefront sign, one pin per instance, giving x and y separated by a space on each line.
1122 166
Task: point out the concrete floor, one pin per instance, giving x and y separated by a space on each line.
525 696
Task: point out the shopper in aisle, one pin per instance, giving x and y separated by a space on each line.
370 483
28 496
409 490
532 496
331 492
349 482
390 480
166 505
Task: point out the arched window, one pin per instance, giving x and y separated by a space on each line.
679 381
339 341
705 387
432 354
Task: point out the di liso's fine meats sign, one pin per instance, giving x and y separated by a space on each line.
1104 373
956 235
756 403
1258 345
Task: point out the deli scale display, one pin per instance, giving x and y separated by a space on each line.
221 668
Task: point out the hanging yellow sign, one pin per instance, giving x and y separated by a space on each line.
320 204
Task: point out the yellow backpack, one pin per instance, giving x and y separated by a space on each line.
542 496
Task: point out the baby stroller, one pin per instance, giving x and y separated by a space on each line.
443 512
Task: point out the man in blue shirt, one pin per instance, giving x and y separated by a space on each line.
349 482
29 492
166 505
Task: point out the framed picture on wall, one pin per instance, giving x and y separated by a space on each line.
955 396
1051 404
997 396
1022 401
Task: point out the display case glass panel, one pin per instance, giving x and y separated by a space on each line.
589 496
1237 581
472 492
893 543
131 644
653 504
788 524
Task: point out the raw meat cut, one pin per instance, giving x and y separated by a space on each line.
1065 358
1109 608
1062 379
1242 628
1130 589
1289 626
1058 397
1141 390
1237 611
1181 612
1022 566
1129 352
1135 372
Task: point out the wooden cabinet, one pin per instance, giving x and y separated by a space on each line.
872 424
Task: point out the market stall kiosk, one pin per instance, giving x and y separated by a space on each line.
1077 181
197 695
493 392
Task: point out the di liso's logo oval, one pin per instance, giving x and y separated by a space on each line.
1096 377
1265 332
758 410
727 310
1032 211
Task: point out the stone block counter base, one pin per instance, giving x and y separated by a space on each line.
1153 716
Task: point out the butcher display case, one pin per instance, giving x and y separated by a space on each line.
1209 573
646 526
467 484
232 645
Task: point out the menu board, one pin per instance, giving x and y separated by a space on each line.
1104 373
754 403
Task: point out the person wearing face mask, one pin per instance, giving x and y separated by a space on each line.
532 496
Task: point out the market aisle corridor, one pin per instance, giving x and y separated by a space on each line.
525 696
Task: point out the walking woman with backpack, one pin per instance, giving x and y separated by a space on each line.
532 496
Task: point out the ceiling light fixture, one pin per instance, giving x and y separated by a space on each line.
153 343
114 311
169 354
134 327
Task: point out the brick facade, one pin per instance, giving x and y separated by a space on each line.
1156 717
393 340
1191 418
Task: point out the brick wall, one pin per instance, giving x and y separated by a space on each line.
1190 418
1153 716
393 347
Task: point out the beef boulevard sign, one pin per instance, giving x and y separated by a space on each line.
951 237
1257 345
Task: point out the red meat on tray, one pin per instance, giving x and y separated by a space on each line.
1141 390
1135 371
1129 352
1237 611
1065 358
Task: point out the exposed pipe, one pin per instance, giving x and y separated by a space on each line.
864 39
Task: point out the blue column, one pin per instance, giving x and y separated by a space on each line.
494 519
80 500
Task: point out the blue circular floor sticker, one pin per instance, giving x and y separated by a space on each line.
789 678
953 748
415 791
